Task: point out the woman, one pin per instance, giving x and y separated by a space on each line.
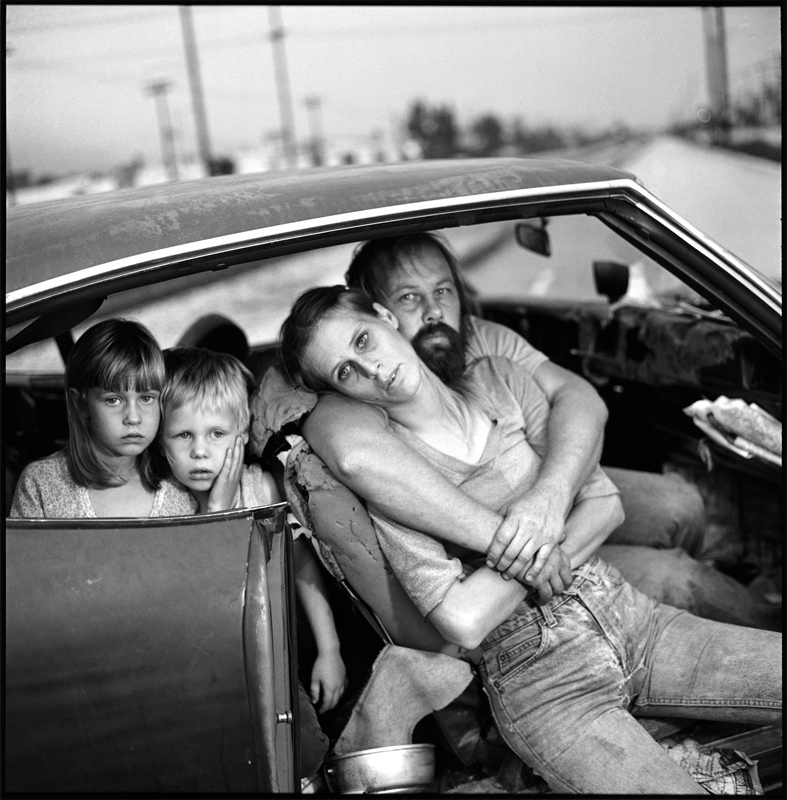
565 678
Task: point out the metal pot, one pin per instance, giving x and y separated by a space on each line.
383 770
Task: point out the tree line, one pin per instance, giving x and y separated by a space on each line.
436 131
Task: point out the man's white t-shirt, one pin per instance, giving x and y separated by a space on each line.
491 339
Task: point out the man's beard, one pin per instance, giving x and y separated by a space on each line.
445 357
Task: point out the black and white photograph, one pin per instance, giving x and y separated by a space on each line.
393 400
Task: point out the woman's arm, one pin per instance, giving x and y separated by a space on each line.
355 442
474 606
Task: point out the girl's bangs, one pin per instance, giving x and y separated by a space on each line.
130 374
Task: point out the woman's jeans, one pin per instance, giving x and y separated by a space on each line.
566 679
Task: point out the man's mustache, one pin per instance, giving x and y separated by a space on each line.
438 328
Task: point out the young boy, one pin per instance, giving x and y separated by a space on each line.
204 427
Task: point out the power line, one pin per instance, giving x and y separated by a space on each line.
122 55
94 75
13 30
260 39
410 30
511 25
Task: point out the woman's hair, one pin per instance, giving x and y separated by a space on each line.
374 262
117 355
208 378
297 331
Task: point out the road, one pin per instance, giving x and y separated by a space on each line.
733 198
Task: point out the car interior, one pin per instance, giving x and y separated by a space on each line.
649 347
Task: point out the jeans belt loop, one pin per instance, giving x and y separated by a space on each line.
549 617
587 574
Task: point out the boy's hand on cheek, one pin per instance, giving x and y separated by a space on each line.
222 494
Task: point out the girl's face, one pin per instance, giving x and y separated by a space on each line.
195 441
365 357
123 423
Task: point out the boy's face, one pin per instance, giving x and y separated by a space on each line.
196 440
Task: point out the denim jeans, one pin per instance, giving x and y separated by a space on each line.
674 577
566 680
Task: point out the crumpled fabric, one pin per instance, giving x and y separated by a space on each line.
274 404
742 427
404 687
717 771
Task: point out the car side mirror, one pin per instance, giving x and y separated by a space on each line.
611 279
532 235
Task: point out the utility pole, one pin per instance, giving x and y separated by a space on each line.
9 171
195 84
313 107
10 189
716 65
158 87
283 86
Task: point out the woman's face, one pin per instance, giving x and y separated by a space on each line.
365 357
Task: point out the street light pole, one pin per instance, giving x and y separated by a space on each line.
159 87
195 84
283 86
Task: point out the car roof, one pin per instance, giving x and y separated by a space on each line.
47 241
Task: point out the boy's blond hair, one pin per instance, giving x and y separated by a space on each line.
208 378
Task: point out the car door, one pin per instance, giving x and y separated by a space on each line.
150 655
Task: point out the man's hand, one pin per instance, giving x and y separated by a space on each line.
555 576
532 527
224 489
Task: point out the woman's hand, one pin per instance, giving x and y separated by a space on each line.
225 487
532 528
329 680
555 576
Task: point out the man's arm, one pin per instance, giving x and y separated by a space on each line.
476 605
574 434
356 444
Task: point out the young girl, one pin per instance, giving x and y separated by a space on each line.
113 381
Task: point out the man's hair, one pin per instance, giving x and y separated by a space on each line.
297 331
209 379
374 262
116 355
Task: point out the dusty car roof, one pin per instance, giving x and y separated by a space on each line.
46 241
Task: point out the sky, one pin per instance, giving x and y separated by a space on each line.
77 77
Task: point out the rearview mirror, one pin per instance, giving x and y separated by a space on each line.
532 235
611 279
